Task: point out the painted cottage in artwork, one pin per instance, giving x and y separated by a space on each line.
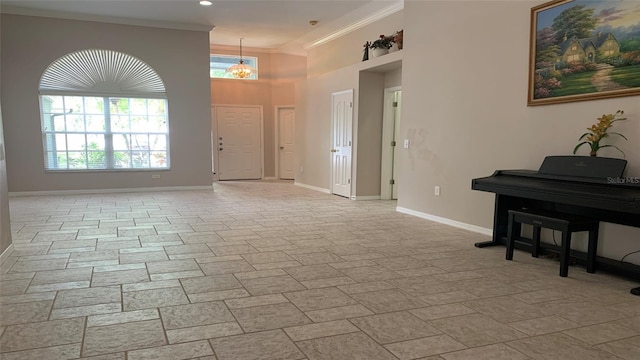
587 49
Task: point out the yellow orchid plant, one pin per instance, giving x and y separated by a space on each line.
598 132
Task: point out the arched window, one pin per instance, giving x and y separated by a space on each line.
103 109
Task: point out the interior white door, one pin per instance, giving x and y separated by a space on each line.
239 143
286 143
342 120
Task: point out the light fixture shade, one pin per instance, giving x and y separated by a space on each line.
240 70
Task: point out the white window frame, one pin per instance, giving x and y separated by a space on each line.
56 140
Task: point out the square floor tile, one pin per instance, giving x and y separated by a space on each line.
180 316
203 332
42 334
87 296
394 327
271 285
627 349
71 351
19 313
489 352
388 301
190 350
210 283
60 276
559 346
370 273
119 277
317 299
226 267
122 337
313 272
476 330
347 346
267 317
145 299
313 331
267 345
427 346
506 309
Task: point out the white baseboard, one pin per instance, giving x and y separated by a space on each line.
101 191
326 191
370 197
446 221
6 253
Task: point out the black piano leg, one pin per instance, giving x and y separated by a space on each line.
636 291
500 221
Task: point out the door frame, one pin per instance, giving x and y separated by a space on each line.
353 142
214 137
386 168
276 120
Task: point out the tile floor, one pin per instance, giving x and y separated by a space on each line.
268 270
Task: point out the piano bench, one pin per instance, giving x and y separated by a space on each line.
564 223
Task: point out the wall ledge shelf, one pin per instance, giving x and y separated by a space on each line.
384 63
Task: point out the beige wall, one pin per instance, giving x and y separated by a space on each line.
30 44
369 133
313 125
348 49
393 78
333 67
464 108
464 111
275 87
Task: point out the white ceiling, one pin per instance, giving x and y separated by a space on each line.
273 24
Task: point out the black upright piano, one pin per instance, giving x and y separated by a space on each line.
580 185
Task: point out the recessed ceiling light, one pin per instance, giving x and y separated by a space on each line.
206 3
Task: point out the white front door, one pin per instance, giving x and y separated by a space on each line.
286 143
239 142
342 120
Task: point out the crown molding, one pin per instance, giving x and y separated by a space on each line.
16 10
382 13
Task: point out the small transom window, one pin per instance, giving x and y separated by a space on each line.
219 64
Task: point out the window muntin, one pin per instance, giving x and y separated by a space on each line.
218 65
81 133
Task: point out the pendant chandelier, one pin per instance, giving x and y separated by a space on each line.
241 70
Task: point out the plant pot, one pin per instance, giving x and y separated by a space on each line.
379 52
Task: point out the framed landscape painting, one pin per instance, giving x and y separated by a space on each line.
584 50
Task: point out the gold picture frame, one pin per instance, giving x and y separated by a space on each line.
583 50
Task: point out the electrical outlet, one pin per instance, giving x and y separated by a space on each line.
155 176
436 191
301 168
406 143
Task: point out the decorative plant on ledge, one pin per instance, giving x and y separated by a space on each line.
598 131
384 42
